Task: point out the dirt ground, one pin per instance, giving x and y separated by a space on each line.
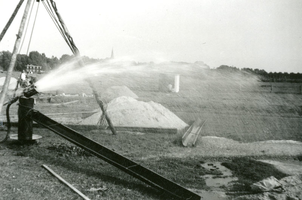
23 177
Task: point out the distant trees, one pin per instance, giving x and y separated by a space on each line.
65 58
22 60
275 76
34 58
264 76
5 57
52 63
227 68
284 77
38 59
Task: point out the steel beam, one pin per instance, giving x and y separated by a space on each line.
115 159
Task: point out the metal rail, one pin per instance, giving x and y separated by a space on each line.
115 159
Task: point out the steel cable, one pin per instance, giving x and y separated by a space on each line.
33 28
31 9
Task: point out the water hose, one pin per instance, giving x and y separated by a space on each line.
8 118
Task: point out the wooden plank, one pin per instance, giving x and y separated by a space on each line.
65 182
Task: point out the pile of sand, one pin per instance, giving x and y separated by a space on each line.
117 91
129 112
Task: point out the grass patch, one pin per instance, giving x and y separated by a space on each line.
250 171
299 157
65 150
186 172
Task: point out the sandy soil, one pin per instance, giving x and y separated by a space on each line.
288 167
211 146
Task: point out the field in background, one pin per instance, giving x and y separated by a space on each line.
235 106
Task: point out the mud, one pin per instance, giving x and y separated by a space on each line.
217 181
220 178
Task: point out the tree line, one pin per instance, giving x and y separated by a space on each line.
266 76
37 59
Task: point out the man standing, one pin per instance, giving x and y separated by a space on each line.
23 79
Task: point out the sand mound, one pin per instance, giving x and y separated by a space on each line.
117 91
129 112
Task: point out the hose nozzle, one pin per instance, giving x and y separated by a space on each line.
30 91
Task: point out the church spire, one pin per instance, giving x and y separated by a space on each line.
112 54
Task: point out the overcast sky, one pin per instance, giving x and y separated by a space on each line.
242 33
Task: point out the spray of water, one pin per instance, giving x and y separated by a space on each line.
71 73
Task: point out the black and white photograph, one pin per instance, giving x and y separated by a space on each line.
151 100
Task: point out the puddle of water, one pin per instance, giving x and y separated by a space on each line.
216 181
211 195
221 176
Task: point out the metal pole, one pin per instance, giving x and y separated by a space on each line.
14 55
11 20
101 104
